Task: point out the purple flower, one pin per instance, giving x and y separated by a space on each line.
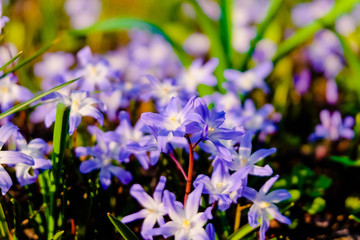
263 205
243 82
83 13
3 19
80 105
102 156
331 91
154 209
198 73
186 222
210 125
332 127
134 141
305 13
11 92
9 157
54 64
197 44
222 184
302 81
171 123
96 72
36 149
245 158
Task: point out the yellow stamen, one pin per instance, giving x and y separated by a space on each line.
4 89
264 205
186 223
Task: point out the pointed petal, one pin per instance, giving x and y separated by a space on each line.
265 188
12 157
159 189
5 132
135 216
193 202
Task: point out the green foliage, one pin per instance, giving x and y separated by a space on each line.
352 203
125 232
317 206
24 105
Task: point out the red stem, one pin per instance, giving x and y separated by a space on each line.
178 165
190 170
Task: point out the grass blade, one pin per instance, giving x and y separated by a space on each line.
4 229
59 144
11 60
345 161
21 106
125 232
305 33
226 28
26 61
217 49
115 24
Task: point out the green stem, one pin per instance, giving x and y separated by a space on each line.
4 229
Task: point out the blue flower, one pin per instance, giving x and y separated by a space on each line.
102 156
80 105
332 127
244 82
186 222
154 209
245 158
36 148
171 123
263 205
222 184
9 157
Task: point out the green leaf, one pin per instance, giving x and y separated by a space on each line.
11 60
58 235
125 232
353 217
305 33
26 61
217 49
23 105
116 24
59 144
347 162
226 28
317 206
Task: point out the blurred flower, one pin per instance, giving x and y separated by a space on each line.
11 92
332 127
80 105
264 206
7 52
264 51
186 222
210 8
10 157
3 19
302 81
83 13
198 73
326 54
243 82
331 91
305 13
197 44
96 73
154 209
37 148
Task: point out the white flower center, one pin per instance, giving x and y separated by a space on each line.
264 204
186 224
4 89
